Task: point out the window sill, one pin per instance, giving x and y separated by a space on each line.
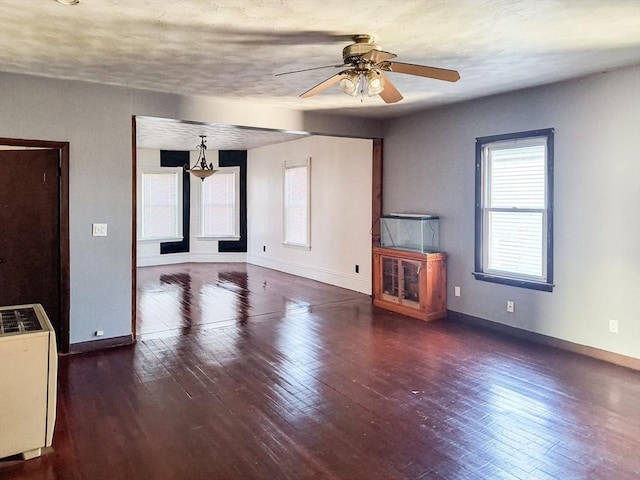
221 239
297 246
514 282
160 240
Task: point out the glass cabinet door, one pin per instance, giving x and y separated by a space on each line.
411 283
390 280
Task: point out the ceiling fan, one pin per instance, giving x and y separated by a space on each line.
366 63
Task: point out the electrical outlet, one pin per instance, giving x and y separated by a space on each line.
511 306
456 291
99 230
99 333
613 326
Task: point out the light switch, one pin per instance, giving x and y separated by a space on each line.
99 229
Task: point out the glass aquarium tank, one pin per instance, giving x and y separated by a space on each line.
413 232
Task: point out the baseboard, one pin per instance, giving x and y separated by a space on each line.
84 347
615 358
177 258
357 282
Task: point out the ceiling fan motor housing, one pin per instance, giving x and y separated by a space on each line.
352 54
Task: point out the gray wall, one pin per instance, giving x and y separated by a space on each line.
96 120
429 167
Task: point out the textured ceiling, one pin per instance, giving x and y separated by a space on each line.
234 48
169 134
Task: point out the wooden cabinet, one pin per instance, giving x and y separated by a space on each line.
410 283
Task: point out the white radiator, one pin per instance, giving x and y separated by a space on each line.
28 375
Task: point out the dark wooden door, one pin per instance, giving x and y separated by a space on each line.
30 230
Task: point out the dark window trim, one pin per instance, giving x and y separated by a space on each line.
478 273
170 158
236 158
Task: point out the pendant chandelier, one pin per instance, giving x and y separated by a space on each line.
201 169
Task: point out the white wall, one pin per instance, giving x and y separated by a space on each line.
429 166
96 121
341 186
200 250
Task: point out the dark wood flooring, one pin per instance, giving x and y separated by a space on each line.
269 376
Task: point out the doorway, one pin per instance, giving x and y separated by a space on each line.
34 217
167 134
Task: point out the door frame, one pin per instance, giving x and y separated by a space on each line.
134 230
63 226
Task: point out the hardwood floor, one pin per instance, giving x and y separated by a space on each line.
181 298
269 376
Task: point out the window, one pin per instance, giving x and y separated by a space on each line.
219 202
161 206
514 209
297 203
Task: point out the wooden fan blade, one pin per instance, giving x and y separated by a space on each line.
390 93
323 85
308 69
422 71
377 56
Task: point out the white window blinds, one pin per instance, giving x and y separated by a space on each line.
296 203
161 204
515 208
219 204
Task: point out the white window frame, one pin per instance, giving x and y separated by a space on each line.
235 236
289 165
484 148
177 173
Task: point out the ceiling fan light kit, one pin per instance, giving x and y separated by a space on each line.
366 61
357 83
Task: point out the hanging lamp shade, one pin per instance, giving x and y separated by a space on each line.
350 83
375 82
